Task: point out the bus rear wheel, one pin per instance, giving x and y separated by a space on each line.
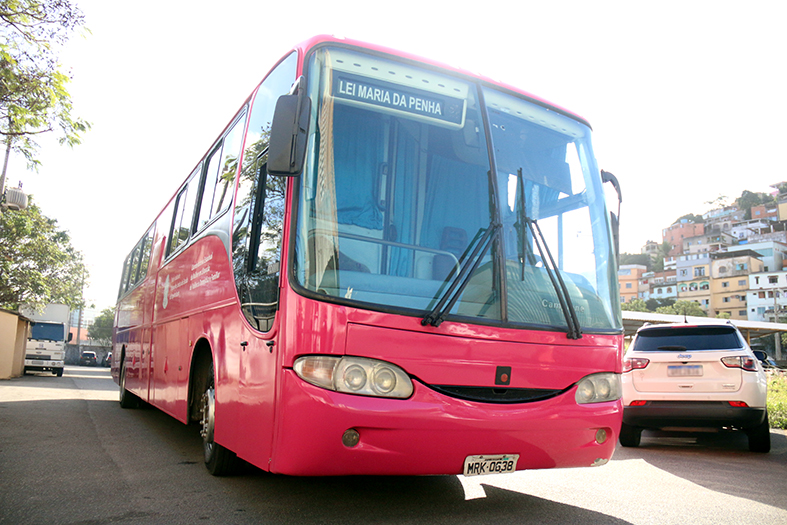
219 460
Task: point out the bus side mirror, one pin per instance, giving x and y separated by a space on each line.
70 337
762 356
615 219
289 134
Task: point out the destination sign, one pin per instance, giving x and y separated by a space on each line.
395 96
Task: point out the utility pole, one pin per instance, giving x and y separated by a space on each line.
777 337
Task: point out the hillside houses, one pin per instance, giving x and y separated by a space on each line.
734 262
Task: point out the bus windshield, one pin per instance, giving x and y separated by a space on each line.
403 207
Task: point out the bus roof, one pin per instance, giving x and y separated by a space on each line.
306 46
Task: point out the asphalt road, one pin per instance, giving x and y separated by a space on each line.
70 454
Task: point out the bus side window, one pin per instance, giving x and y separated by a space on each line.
222 165
184 213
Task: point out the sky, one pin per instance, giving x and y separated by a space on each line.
686 98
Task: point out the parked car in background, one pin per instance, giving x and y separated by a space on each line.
693 377
88 358
107 361
768 363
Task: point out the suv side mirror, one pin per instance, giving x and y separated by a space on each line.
289 133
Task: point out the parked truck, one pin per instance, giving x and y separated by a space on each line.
46 345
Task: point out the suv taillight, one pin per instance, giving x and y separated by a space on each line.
634 363
745 363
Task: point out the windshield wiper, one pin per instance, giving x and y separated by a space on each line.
561 290
448 299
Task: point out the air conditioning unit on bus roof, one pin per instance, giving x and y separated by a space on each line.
15 199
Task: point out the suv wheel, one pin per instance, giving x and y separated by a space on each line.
760 437
630 436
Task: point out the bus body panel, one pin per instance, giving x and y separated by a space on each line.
471 361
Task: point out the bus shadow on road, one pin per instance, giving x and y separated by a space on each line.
386 499
258 496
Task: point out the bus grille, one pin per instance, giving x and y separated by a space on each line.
496 395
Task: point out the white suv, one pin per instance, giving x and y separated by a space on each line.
682 376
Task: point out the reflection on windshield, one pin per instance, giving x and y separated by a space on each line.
398 193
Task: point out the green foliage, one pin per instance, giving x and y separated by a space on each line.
635 258
33 94
101 329
696 219
637 305
654 304
683 308
777 401
723 315
38 265
749 199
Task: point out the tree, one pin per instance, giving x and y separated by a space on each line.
33 94
101 329
690 217
636 305
635 258
749 199
654 304
683 308
38 265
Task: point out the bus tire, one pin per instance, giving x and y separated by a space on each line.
59 372
219 460
630 436
127 399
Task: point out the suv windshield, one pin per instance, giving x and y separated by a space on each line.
670 339
399 206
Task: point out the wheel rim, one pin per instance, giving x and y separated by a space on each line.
208 421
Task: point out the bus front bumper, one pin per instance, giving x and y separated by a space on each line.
431 433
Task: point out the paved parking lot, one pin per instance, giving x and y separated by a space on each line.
70 454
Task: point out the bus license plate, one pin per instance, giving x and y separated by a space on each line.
684 371
499 464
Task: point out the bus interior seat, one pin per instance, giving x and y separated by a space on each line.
454 241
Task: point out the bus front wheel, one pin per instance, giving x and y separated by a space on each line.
127 399
219 460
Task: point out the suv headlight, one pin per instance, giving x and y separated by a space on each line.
354 375
598 388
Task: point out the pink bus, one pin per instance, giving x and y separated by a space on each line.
382 265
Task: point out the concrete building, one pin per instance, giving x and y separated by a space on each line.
661 285
679 231
773 254
708 242
722 219
693 277
631 285
730 282
14 329
767 291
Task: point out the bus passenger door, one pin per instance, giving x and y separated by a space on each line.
257 395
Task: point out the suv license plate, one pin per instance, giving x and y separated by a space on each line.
684 370
499 464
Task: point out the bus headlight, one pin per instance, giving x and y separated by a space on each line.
355 375
598 388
